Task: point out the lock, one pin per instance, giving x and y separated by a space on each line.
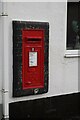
36 91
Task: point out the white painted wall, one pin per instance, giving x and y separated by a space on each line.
63 72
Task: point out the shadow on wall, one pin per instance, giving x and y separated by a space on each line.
79 72
73 0
0 111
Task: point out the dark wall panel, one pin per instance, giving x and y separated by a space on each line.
59 107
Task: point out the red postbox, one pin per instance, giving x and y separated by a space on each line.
32 58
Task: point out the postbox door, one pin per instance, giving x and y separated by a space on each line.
33 60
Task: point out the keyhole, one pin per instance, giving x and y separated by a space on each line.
32 49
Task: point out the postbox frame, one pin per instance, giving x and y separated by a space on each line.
18 26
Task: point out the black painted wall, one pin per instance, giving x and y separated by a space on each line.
59 107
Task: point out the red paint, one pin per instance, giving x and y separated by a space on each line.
32 41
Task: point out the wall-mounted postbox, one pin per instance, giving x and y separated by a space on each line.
30 57
33 58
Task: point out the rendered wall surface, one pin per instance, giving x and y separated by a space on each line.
63 72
